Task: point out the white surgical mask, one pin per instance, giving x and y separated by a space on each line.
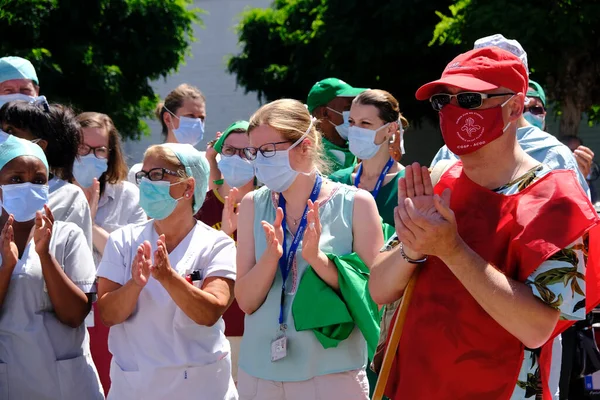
236 170
342 129
276 172
190 131
88 167
535 120
23 200
362 141
16 97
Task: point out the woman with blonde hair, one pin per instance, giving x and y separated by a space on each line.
376 125
293 235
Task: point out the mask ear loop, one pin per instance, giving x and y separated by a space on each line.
401 129
300 140
502 106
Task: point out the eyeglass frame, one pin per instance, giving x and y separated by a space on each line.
237 151
146 174
93 150
483 96
260 149
528 109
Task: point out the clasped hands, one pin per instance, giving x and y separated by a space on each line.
425 224
143 267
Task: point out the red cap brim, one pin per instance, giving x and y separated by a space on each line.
466 82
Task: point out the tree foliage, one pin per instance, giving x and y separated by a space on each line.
378 44
562 40
100 55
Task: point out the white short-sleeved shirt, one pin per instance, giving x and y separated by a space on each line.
175 340
40 357
118 206
69 204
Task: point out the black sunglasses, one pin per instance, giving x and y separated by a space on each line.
155 174
470 100
535 110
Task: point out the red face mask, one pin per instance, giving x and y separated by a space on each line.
466 131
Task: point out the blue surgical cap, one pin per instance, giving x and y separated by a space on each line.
196 166
12 147
17 68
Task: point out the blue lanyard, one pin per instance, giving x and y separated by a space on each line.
287 259
384 172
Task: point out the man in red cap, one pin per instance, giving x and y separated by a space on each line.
500 242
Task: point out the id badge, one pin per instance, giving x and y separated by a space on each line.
278 348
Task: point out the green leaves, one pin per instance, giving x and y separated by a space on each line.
100 55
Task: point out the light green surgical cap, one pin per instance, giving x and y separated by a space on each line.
17 68
196 166
12 147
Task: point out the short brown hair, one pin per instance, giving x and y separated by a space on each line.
117 167
174 101
292 119
389 109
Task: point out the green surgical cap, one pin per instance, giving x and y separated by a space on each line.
12 147
196 166
535 90
236 125
17 68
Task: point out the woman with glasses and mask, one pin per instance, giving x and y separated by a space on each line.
299 219
46 287
55 129
181 117
164 285
375 120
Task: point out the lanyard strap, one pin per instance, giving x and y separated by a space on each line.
384 172
287 258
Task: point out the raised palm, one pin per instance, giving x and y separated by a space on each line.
417 187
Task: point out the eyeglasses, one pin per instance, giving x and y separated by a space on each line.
155 174
535 110
100 152
230 151
267 150
470 100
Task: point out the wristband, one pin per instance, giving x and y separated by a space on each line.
408 259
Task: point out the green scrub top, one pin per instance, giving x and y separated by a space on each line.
338 157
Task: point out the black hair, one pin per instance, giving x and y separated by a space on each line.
55 124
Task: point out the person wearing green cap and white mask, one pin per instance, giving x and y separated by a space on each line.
18 80
329 101
46 287
164 285
535 106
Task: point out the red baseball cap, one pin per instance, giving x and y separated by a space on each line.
480 70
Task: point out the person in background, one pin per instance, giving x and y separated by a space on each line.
55 129
220 210
164 285
374 121
46 287
101 173
329 101
300 219
585 161
18 80
535 106
181 116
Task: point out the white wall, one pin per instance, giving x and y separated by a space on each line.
206 69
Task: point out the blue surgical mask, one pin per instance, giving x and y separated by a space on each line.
276 172
190 131
86 168
535 120
155 198
23 200
342 129
236 171
16 97
362 141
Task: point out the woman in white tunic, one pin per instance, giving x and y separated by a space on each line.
164 285
46 287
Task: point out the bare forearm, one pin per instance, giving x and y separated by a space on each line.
215 174
251 289
99 237
389 276
510 303
200 306
70 303
116 306
5 276
326 270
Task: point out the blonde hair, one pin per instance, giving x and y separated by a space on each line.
174 101
291 119
386 104
168 156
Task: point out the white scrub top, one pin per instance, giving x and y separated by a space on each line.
159 352
118 206
69 204
135 168
40 357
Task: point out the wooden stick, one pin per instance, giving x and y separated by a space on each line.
395 335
